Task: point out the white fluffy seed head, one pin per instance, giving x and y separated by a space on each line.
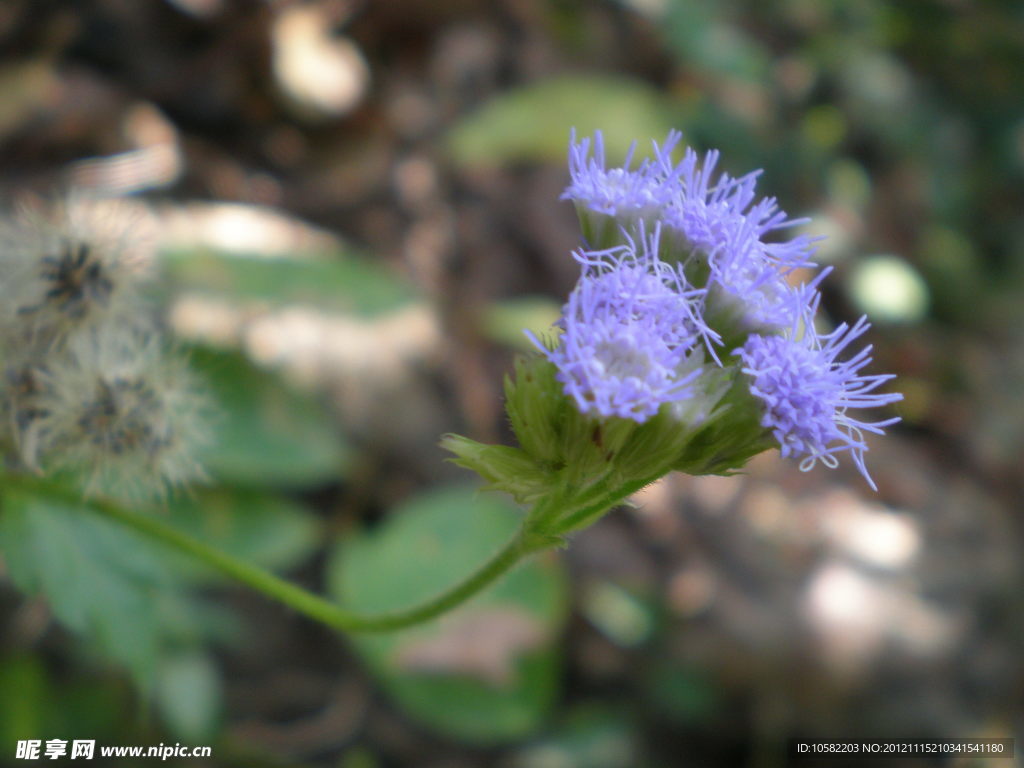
118 412
64 268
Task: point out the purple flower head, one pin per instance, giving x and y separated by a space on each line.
807 394
629 333
619 191
721 223
709 210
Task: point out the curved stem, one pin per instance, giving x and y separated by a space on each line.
297 598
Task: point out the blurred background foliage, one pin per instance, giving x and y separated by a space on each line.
352 207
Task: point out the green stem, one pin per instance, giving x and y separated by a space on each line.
297 598
581 518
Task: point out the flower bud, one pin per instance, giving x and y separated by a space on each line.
537 409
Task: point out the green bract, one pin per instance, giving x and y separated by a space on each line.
574 467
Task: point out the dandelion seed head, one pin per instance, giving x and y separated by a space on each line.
63 268
120 412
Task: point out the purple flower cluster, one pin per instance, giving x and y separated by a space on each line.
718 223
806 393
631 333
620 192
696 273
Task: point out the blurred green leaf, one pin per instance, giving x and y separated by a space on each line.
188 694
24 691
697 33
39 703
91 707
257 527
339 283
267 433
532 123
99 579
485 672
505 321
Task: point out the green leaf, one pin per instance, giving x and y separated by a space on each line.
188 694
25 692
61 703
267 433
337 283
257 527
485 672
99 579
532 123
696 32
